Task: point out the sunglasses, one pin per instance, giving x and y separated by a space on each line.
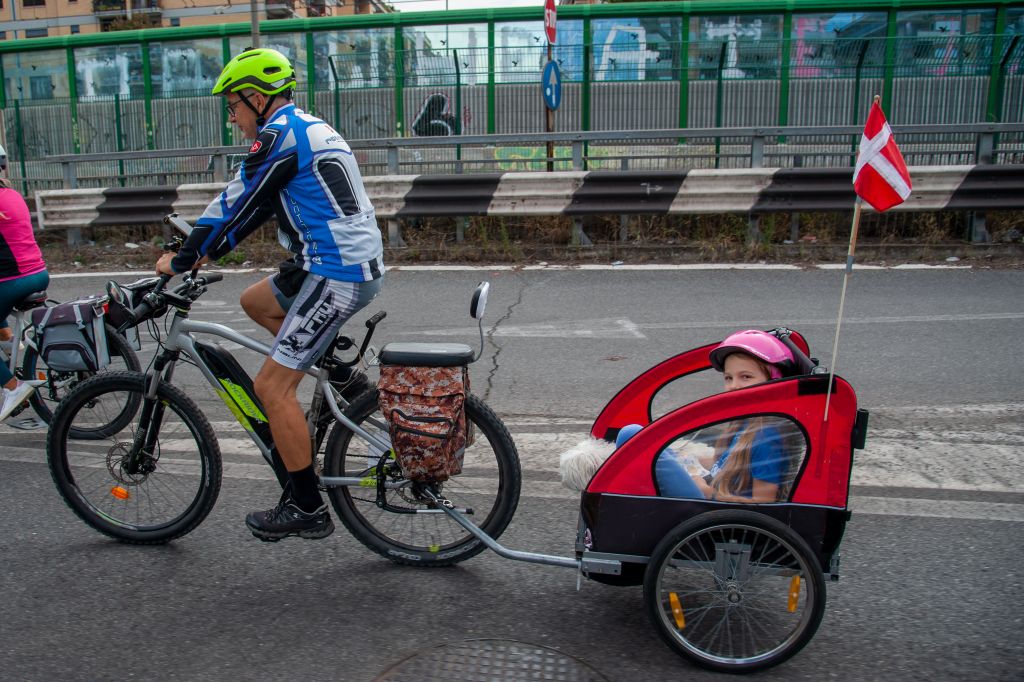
231 106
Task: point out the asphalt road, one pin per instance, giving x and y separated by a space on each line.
931 585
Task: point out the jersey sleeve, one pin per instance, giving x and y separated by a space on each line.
245 204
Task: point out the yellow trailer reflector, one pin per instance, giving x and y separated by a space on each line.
677 610
794 593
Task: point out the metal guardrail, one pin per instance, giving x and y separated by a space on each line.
981 143
753 192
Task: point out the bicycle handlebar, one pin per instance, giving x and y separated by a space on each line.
157 298
149 302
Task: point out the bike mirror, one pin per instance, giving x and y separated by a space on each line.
479 302
114 292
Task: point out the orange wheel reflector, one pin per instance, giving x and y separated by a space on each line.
40 375
794 593
120 493
677 610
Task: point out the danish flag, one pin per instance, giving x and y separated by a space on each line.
881 177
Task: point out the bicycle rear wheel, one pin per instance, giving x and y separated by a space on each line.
422 535
58 384
172 488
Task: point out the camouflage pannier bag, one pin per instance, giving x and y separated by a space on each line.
425 408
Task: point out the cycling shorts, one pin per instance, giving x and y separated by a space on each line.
286 282
320 308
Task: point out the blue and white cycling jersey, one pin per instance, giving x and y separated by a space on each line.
302 170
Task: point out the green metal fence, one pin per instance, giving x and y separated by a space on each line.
624 67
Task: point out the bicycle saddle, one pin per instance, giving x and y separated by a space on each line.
426 354
33 300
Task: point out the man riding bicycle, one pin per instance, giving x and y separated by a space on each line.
302 171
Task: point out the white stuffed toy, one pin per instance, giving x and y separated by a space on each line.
578 464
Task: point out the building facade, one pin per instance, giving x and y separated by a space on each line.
47 18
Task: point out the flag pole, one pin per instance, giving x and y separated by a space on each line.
842 300
854 227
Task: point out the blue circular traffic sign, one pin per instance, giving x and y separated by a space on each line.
551 85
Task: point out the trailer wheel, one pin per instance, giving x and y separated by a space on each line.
734 591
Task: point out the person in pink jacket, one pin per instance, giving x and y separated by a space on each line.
22 272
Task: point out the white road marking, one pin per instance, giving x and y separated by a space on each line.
607 328
619 328
942 509
937 459
973 410
920 459
859 504
830 322
567 267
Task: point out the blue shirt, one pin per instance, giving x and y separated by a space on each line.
768 462
767 458
301 170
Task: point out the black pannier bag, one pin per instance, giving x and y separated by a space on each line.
70 336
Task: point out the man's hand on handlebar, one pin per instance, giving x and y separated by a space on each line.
163 266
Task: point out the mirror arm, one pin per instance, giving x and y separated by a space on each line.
480 324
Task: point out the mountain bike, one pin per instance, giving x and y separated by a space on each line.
157 472
24 361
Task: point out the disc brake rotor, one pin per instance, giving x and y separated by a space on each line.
117 459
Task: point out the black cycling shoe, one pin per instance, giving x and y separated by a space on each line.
287 519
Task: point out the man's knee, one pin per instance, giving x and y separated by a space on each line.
254 299
276 388
261 305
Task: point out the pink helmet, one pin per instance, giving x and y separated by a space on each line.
762 345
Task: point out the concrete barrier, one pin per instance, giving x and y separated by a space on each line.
753 191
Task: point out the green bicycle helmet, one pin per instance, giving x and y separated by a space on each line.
262 69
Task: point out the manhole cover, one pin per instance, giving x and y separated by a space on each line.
484 660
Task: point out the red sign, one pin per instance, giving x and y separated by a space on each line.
549 20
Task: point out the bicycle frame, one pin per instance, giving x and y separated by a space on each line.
225 382
18 331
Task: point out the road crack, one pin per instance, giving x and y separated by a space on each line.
494 345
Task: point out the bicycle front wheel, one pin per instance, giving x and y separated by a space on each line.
148 497
734 591
416 532
58 384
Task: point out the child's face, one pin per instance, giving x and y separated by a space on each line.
741 370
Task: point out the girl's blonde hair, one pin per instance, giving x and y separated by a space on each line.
734 477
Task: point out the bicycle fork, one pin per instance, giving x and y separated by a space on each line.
143 456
